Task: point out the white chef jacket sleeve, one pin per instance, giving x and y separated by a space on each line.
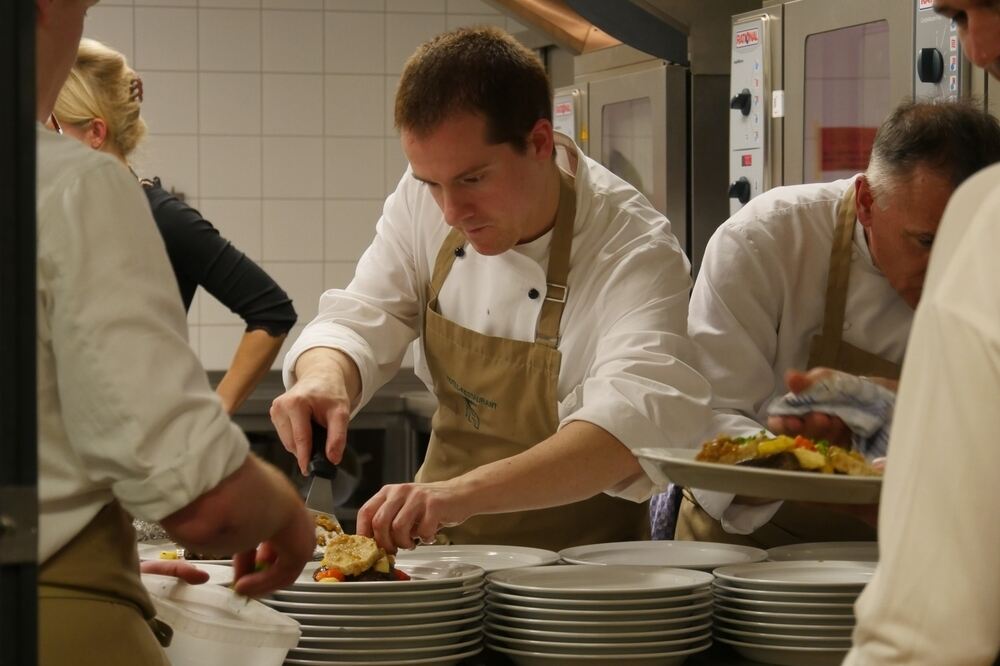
935 596
136 404
641 387
733 323
378 315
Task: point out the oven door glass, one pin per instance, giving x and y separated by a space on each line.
627 142
847 96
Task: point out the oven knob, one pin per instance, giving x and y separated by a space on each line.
930 65
742 101
740 190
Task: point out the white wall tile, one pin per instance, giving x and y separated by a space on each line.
173 158
239 221
293 4
290 339
292 41
456 21
170 102
218 343
229 103
470 7
113 27
230 4
113 2
293 167
355 168
350 227
293 104
167 3
355 5
230 167
391 83
355 105
303 281
430 6
338 274
229 40
194 314
214 313
166 38
404 33
395 163
293 229
354 43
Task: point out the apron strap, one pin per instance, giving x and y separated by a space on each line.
556 290
453 246
837 282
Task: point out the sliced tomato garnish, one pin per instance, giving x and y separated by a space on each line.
400 575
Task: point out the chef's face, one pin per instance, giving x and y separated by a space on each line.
901 225
490 192
978 24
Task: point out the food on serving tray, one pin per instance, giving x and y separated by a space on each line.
326 529
789 453
188 554
352 557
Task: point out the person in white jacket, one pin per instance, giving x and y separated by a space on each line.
935 595
822 275
550 301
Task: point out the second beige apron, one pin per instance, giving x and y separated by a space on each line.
498 397
93 608
794 522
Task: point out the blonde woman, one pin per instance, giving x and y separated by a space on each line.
99 105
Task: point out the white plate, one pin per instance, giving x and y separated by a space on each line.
784 640
218 574
597 637
424 576
335 594
152 550
785 618
683 554
388 642
490 558
531 658
429 661
609 582
395 629
650 603
768 606
362 654
785 595
680 467
856 551
571 615
379 620
642 647
804 576
721 620
467 601
600 625
787 656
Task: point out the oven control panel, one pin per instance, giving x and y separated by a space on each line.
748 109
939 72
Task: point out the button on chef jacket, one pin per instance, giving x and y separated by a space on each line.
626 360
758 302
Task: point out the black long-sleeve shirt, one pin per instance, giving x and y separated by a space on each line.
200 255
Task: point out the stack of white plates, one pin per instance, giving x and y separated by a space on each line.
798 613
434 619
490 558
854 551
701 555
568 614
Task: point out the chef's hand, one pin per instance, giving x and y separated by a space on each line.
278 561
402 515
814 425
176 568
322 393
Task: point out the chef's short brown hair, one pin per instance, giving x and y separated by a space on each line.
474 70
955 139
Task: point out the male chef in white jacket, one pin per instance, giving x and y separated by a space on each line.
550 302
935 595
822 275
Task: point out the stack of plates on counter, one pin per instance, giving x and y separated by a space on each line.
798 613
434 619
490 558
681 554
854 551
567 614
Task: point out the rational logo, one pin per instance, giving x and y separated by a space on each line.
745 38
925 4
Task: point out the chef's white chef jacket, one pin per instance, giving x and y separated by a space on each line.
759 300
935 596
124 407
626 360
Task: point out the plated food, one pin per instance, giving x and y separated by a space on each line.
352 557
799 454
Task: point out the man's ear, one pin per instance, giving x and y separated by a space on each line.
97 133
864 200
541 143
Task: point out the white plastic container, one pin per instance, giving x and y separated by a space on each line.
213 625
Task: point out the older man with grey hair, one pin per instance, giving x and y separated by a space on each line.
822 275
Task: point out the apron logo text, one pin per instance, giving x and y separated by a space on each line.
472 400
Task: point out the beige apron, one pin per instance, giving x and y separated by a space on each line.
498 397
795 522
93 608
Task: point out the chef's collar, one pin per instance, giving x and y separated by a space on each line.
860 246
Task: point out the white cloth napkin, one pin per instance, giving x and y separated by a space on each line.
864 406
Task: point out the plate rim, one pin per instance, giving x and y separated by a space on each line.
574 554
696 579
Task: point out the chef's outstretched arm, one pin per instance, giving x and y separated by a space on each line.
327 388
578 462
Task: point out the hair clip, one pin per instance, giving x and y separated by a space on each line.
135 89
